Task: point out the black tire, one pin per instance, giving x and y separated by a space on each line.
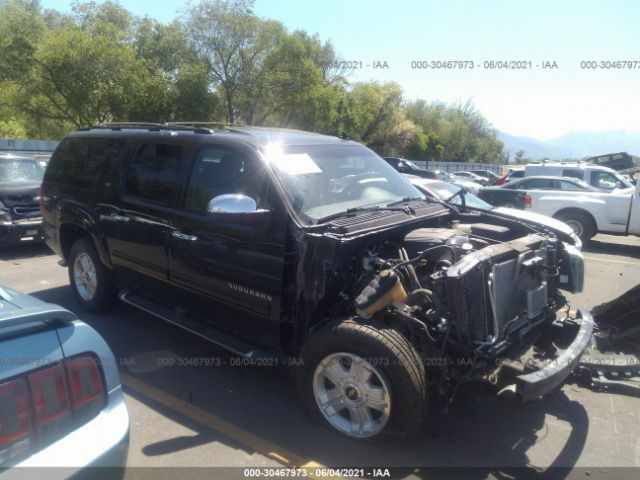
581 223
104 296
397 361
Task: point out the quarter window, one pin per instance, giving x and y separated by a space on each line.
564 185
538 184
153 172
85 162
573 173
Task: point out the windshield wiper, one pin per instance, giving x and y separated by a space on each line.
355 210
460 193
404 200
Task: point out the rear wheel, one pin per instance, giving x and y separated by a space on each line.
364 379
90 283
581 223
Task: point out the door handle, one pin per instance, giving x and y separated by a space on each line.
119 217
184 236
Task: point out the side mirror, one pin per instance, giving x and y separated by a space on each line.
231 203
236 209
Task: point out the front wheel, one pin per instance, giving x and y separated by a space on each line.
581 223
364 379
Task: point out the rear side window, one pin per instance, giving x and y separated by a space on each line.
573 173
538 184
152 173
85 162
564 185
517 174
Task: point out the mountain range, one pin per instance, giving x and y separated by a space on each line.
575 145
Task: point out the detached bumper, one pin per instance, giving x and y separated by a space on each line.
536 384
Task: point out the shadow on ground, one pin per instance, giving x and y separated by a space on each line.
603 245
23 251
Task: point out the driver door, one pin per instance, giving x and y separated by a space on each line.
230 267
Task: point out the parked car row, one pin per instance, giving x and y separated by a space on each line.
602 203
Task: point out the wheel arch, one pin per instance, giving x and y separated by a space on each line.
569 210
70 232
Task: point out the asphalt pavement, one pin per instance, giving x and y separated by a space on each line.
193 404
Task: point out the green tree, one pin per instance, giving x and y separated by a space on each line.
82 78
229 37
454 132
374 115
519 156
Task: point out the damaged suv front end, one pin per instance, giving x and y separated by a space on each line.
474 292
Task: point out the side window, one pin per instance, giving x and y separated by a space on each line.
603 180
573 173
152 173
539 184
85 162
570 186
219 171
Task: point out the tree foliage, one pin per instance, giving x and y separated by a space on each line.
219 62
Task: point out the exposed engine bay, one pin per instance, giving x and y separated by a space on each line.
479 298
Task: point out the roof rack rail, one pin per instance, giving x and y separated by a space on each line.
151 126
198 123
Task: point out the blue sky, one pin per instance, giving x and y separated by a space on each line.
541 103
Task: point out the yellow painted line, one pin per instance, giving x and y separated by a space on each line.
245 437
612 261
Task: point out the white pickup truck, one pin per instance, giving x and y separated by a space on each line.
588 213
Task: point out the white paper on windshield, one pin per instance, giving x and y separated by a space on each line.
297 164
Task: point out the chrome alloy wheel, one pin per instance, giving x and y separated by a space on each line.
85 277
352 395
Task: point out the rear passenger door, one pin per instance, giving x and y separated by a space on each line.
139 223
231 265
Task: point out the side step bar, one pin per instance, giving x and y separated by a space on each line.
202 329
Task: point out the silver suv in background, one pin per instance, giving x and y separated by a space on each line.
603 178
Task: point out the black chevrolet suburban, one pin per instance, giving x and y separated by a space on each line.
287 246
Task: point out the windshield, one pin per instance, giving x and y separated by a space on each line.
454 194
324 180
18 170
624 183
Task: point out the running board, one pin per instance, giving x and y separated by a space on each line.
202 329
